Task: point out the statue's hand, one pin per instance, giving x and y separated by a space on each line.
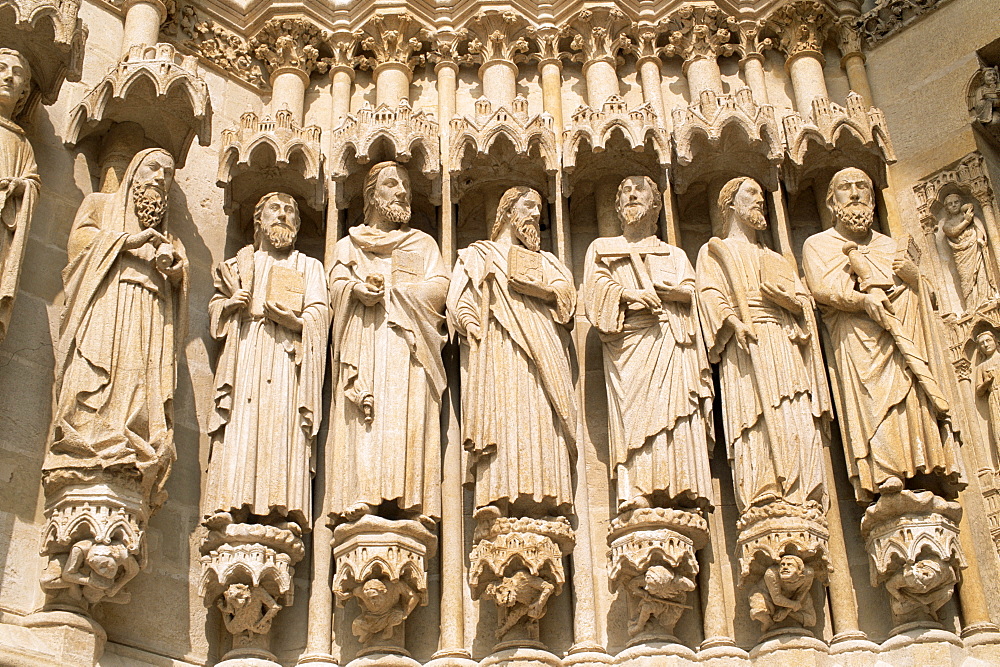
368 294
878 308
744 334
13 185
473 333
646 299
139 239
906 270
281 315
532 288
240 299
780 295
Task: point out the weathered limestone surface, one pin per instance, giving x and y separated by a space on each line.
498 410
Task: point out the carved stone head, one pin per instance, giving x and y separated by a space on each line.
15 81
106 559
521 208
851 200
150 187
741 200
638 203
791 570
387 196
953 204
276 220
987 342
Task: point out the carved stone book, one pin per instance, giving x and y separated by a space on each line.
407 266
524 264
776 270
286 287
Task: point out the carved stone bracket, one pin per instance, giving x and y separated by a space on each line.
288 43
596 127
290 144
783 550
479 134
653 560
888 17
382 564
802 26
53 56
180 98
95 542
247 572
828 125
405 130
700 32
517 563
913 545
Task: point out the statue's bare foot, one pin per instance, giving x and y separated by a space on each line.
487 513
219 521
891 485
356 511
636 503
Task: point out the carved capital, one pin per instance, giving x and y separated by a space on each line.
599 34
700 32
644 40
848 38
393 38
752 40
288 43
546 39
802 26
445 46
344 47
497 36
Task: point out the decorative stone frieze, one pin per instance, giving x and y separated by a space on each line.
517 563
183 105
407 131
887 18
54 56
382 564
653 561
207 38
289 143
247 572
595 127
912 540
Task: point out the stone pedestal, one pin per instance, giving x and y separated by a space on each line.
517 563
247 572
382 563
653 560
913 546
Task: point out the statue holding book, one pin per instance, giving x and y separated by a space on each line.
271 314
387 289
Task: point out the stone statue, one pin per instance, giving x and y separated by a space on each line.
986 99
759 327
921 588
385 604
91 572
271 313
247 611
120 335
513 304
521 597
986 376
387 291
966 237
639 294
894 413
19 183
784 594
660 593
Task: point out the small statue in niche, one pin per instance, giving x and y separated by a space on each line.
986 382
385 603
921 588
966 237
247 611
91 572
521 597
660 592
783 596
986 99
19 182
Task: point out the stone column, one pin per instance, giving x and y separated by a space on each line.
599 35
498 44
394 41
342 76
446 69
648 64
853 60
550 61
290 49
752 49
802 28
142 23
700 35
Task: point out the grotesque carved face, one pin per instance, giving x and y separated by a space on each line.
375 596
14 81
237 596
790 569
525 216
150 187
103 561
279 220
953 204
853 200
991 77
392 195
987 343
635 200
749 204
924 575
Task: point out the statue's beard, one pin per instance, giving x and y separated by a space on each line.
754 217
636 215
855 216
280 236
527 232
150 204
393 211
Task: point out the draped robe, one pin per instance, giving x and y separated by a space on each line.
657 374
269 386
789 386
119 337
888 423
392 352
17 160
518 405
